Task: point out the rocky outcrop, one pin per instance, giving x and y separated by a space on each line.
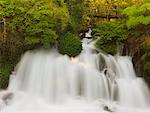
134 46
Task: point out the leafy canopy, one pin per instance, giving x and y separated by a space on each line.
37 21
70 44
109 33
138 15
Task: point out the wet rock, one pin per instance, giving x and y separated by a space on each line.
5 97
106 108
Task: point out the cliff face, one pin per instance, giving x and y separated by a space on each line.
138 46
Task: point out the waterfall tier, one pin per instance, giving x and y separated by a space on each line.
47 82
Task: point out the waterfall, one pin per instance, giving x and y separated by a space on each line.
93 82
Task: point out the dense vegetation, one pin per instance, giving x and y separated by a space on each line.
138 23
138 15
69 44
32 24
113 35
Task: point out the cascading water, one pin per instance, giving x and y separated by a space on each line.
47 82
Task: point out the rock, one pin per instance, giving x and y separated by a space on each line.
107 105
106 108
134 48
5 97
2 104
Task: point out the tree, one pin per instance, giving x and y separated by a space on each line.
28 24
109 9
70 45
77 13
138 15
111 34
36 21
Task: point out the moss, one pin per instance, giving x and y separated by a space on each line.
110 48
5 71
147 65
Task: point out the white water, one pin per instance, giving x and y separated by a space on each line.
47 82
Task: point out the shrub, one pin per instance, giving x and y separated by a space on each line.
110 34
69 44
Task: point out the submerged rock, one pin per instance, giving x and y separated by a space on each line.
5 97
106 108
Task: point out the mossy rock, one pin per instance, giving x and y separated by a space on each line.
5 71
110 48
4 79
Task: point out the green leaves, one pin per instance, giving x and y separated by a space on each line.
76 10
110 34
110 31
70 45
138 15
38 21
26 25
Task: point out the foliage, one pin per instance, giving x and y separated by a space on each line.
138 15
28 24
107 9
69 44
5 70
138 22
110 34
37 20
77 11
